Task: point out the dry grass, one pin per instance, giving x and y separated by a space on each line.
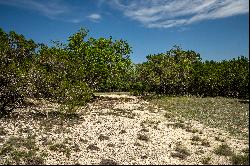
113 131
180 151
223 150
215 112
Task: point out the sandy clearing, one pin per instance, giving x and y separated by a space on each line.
126 132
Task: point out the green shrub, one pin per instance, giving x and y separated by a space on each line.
16 56
69 73
66 73
180 72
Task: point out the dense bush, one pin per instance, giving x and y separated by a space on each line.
55 77
225 78
170 72
105 63
16 56
69 73
179 72
66 73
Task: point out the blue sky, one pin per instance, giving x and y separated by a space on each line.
217 29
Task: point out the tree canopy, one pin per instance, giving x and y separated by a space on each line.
70 72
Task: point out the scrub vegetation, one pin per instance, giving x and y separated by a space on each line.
58 91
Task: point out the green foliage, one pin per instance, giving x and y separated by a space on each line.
170 72
180 72
69 73
16 55
66 73
104 63
226 78
58 77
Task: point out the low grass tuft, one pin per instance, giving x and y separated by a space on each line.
211 111
223 150
240 159
108 162
205 160
180 152
21 151
205 143
59 147
2 131
196 138
143 137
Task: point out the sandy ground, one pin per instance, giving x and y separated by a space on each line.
118 129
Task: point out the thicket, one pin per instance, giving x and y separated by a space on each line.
16 57
67 73
70 72
180 72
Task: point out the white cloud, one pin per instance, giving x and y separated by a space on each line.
172 13
94 17
150 13
55 9
50 9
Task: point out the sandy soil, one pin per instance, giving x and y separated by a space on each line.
117 129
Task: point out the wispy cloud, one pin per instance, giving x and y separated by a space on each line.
56 9
150 13
94 17
51 9
172 13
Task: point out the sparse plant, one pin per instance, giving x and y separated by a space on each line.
14 147
108 162
238 159
180 151
121 112
219 139
93 147
44 154
208 112
60 148
245 150
103 137
29 157
205 143
205 160
143 137
167 115
122 131
200 151
83 140
111 145
137 144
144 157
195 143
178 125
189 129
144 130
223 150
76 147
196 138
2 131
